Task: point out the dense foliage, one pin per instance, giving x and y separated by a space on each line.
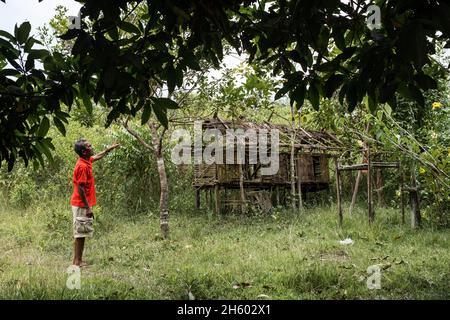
123 52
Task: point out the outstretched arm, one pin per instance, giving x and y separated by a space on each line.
100 155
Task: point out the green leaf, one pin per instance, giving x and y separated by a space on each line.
417 95
44 127
38 54
298 95
281 92
44 149
372 103
333 84
171 78
352 96
165 103
70 34
338 35
425 82
129 27
86 100
23 32
60 126
29 64
313 96
146 113
161 115
9 72
6 35
113 33
62 116
191 61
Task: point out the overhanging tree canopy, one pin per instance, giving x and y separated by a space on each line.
320 47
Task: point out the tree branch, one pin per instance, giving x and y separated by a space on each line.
137 136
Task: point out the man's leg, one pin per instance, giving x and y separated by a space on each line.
78 247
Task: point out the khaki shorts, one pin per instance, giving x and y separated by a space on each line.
82 225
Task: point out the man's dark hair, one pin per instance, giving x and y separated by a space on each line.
80 146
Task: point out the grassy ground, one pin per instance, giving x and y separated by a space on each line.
283 256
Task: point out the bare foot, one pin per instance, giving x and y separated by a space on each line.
84 264
81 264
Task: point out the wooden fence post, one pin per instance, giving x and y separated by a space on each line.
338 191
369 188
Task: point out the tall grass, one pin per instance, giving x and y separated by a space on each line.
280 256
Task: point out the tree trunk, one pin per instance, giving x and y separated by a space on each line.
164 198
164 188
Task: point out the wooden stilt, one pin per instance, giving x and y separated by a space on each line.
241 188
402 193
414 200
277 191
299 185
197 198
338 191
369 188
216 199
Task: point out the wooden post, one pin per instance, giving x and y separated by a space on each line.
216 199
402 193
414 200
241 188
277 190
299 184
355 191
293 175
197 198
338 191
369 188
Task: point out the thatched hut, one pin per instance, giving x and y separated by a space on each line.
236 185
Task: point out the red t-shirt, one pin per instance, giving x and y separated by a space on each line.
82 174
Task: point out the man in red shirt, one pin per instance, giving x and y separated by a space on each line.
83 196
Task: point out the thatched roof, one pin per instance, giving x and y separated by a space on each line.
303 138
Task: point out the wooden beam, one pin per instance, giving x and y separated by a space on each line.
364 166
